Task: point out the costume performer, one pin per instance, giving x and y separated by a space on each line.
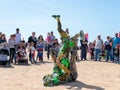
65 68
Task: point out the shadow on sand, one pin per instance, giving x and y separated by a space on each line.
3 66
39 63
21 64
77 85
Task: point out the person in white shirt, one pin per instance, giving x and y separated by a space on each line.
18 36
98 47
32 53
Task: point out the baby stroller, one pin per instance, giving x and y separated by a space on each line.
4 56
21 55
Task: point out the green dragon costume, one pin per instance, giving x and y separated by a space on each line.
65 66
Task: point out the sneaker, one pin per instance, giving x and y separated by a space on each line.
55 16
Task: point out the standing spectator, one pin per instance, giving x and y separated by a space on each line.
32 53
40 47
12 47
98 47
33 39
52 38
48 40
17 36
17 39
116 54
91 50
116 41
83 48
108 47
40 40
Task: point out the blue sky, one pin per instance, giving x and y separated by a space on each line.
92 16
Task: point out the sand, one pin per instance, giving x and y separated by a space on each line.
92 75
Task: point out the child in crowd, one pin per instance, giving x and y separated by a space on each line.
32 53
92 53
48 40
91 50
116 54
21 52
11 42
40 47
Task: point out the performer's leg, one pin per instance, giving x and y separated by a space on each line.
57 17
62 32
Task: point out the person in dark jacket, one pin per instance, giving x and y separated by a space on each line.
84 48
33 39
108 47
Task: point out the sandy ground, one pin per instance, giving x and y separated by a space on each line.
91 76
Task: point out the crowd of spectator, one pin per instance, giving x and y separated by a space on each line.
109 50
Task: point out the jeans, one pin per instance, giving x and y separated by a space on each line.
97 52
108 55
12 54
83 53
48 51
